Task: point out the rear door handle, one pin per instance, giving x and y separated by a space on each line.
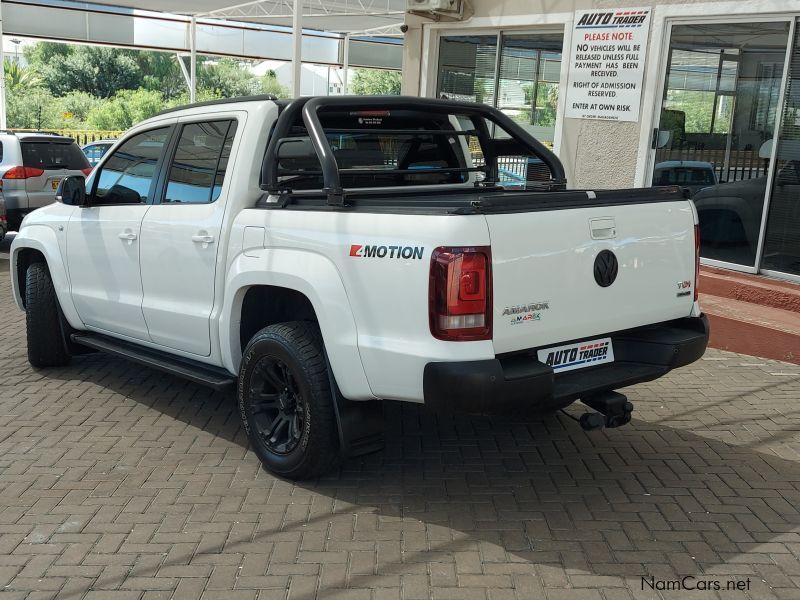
127 235
203 238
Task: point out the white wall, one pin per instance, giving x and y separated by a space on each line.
596 154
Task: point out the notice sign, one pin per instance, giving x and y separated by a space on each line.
607 64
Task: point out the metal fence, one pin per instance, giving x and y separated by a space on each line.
81 136
737 166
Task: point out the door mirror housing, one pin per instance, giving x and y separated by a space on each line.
72 191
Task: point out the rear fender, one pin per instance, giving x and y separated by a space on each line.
317 278
43 239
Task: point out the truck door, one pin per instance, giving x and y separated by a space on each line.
181 235
103 238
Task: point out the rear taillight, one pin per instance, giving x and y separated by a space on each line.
460 294
87 171
696 262
23 173
2 218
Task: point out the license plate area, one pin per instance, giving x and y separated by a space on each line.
578 355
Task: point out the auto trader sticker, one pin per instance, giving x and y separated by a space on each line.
578 355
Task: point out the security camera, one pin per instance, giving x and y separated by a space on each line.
404 28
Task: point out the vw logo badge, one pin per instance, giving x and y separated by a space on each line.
606 268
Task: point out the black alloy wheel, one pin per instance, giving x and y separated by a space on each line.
277 405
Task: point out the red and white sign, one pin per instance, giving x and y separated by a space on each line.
607 62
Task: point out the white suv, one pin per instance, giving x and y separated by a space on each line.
32 166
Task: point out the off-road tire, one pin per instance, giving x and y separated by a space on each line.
43 320
298 346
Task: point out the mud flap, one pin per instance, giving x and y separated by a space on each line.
360 423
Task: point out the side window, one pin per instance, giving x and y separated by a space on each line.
127 176
201 159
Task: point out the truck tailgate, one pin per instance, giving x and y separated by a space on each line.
554 277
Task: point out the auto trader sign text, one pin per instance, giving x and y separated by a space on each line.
607 64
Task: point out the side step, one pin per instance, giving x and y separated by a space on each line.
213 377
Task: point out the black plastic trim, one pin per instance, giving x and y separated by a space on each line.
518 381
213 377
308 109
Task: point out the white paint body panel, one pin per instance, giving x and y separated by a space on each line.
104 269
168 293
548 257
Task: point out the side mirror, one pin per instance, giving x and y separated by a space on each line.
72 191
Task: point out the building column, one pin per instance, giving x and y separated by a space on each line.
297 47
3 123
346 61
193 60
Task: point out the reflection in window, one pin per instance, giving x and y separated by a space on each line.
717 127
467 68
201 158
782 238
127 176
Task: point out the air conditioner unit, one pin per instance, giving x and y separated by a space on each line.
434 6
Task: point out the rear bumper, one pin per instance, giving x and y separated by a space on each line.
519 381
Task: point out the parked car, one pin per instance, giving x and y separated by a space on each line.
338 251
32 166
94 151
693 175
730 214
3 218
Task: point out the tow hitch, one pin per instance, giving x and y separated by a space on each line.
613 410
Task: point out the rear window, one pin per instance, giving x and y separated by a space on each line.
684 176
370 150
53 155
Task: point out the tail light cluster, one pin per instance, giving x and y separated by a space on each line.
23 173
696 262
28 172
460 294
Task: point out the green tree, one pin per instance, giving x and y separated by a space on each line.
271 85
96 70
161 72
41 53
31 109
375 82
226 78
18 77
125 109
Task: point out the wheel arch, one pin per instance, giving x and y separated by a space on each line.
282 285
38 243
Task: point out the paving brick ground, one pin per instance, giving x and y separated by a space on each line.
119 482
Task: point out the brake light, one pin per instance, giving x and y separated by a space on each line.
460 294
23 173
696 262
87 171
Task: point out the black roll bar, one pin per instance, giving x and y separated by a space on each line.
478 113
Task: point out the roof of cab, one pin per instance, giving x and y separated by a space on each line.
258 98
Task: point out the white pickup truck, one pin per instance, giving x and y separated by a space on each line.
323 254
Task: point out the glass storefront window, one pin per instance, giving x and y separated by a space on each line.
527 82
717 128
467 68
782 238
526 86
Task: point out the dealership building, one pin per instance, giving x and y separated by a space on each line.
702 94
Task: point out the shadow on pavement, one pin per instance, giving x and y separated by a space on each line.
527 497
